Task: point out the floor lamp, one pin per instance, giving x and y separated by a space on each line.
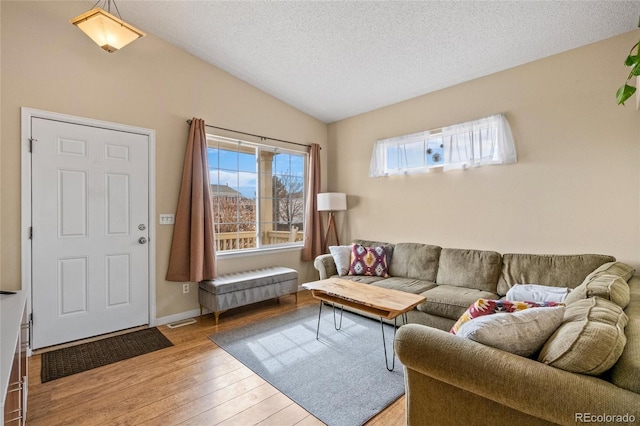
331 202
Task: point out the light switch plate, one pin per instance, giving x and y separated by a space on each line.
167 219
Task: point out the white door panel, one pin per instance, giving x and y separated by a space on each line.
89 196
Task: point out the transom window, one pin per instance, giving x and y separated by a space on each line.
470 144
258 194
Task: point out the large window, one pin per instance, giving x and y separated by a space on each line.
258 195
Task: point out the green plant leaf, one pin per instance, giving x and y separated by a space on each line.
635 70
624 93
632 60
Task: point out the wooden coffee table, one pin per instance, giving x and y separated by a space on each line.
381 302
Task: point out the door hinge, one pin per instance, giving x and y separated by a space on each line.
30 232
31 141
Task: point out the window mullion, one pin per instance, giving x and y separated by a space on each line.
258 199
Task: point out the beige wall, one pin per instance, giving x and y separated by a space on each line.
575 188
49 64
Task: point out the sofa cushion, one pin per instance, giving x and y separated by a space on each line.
370 261
360 278
614 268
412 260
483 307
521 332
590 339
342 258
469 268
626 372
552 270
408 285
610 287
451 301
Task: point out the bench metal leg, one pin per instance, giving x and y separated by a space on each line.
217 315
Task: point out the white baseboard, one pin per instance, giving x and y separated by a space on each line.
181 316
193 313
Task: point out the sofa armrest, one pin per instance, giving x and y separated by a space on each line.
325 266
510 380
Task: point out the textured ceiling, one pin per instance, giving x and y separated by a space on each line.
336 59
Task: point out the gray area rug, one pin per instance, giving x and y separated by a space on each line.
341 379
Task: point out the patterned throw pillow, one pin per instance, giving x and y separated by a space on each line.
370 261
487 307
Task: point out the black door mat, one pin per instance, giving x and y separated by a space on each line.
76 359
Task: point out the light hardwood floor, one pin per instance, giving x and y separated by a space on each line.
194 382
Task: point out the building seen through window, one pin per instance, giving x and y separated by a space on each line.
258 195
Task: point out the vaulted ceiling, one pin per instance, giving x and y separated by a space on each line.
336 59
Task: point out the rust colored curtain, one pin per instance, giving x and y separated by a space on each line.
193 256
313 234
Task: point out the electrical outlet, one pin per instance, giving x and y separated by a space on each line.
167 219
185 288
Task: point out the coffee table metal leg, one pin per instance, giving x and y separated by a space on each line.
337 327
318 327
384 344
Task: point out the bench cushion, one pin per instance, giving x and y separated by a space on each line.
249 279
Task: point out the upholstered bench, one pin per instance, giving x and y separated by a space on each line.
243 288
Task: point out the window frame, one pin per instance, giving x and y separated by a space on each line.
462 146
214 141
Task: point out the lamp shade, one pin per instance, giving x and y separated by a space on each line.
108 31
332 201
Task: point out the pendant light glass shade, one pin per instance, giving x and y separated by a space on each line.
108 31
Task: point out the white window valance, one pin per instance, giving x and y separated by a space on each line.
471 144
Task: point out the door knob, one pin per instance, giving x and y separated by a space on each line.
142 240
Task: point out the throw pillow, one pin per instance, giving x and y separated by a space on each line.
342 258
537 293
610 287
590 339
483 307
370 261
521 332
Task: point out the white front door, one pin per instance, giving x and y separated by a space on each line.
90 219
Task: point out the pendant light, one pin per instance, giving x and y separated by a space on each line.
108 31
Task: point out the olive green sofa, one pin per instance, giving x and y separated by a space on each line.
452 279
451 380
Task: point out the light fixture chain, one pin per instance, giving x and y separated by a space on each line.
116 6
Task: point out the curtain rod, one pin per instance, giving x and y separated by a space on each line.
256 136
